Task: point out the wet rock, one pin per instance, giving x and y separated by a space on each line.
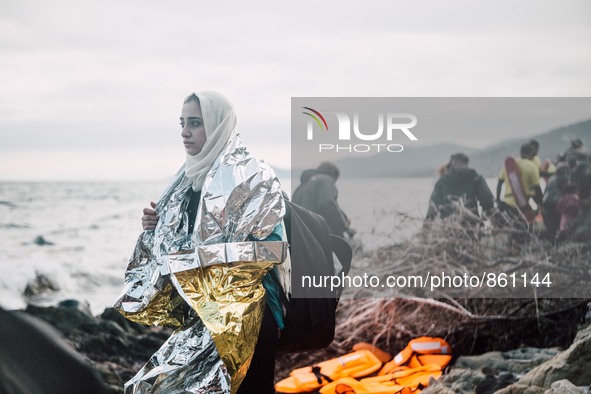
572 364
39 286
522 389
111 314
493 371
538 370
458 380
75 304
565 387
41 241
116 347
493 382
438 389
35 358
518 361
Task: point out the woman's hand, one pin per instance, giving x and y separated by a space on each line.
150 217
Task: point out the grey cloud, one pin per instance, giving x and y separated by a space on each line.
75 72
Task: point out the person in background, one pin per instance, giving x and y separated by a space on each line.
581 175
536 159
569 209
547 168
318 193
443 169
577 148
530 180
459 182
552 195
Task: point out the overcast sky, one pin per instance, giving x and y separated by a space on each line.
93 90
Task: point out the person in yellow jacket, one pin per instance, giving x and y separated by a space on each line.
530 180
546 168
536 158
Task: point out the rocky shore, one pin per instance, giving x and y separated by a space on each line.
522 371
117 348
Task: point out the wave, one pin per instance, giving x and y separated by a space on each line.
13 225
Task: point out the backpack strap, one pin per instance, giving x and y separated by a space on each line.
319 375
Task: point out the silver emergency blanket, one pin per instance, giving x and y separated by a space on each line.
217 271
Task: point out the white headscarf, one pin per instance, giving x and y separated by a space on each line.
219 120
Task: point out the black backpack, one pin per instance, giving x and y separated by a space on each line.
310 313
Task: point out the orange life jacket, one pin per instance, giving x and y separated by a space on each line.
408 372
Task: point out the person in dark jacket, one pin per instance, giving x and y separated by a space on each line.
459 182
553 194
569 207
318 193
577 149
581 176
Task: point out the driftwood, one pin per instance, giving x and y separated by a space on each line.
391 323
471 325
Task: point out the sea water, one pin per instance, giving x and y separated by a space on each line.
90 230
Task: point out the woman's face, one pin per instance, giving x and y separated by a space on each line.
193 132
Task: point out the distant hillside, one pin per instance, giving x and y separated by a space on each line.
489 160
417 162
